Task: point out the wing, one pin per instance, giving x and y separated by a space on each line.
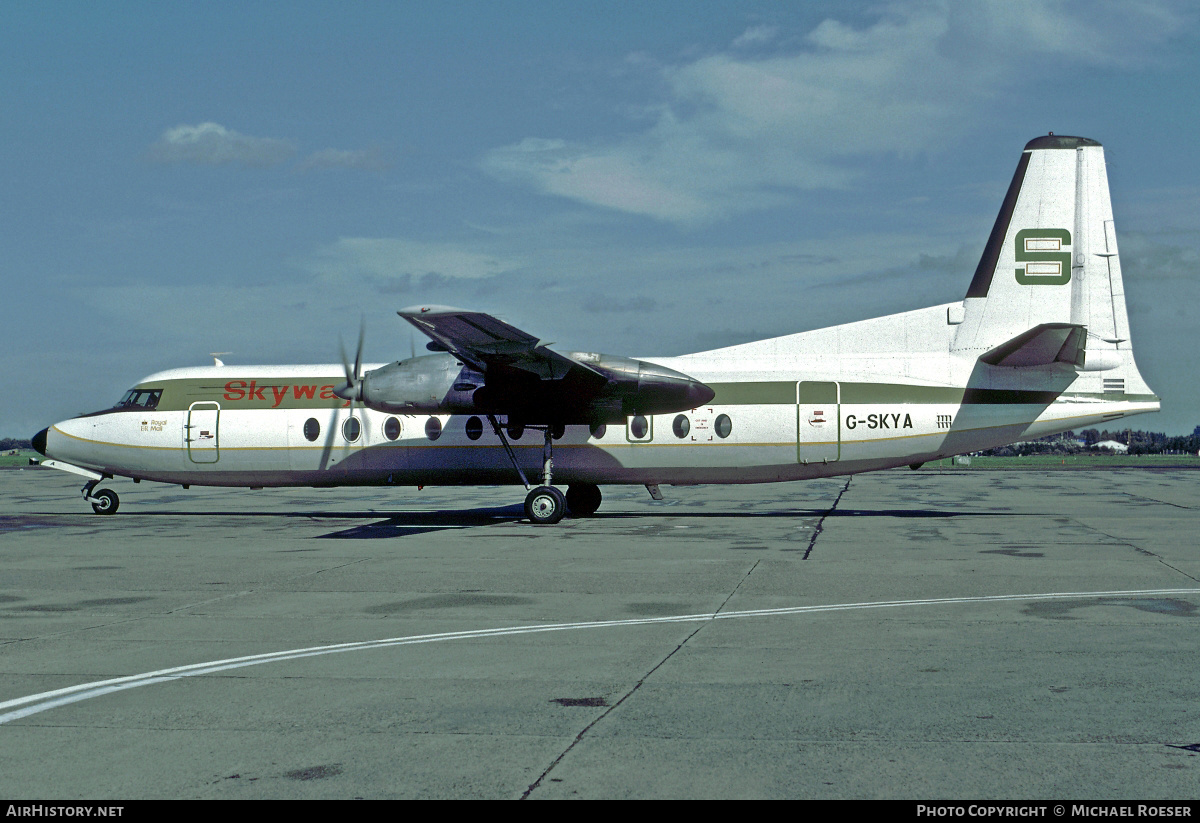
487 344
522 376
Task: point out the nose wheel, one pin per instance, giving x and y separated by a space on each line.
104 501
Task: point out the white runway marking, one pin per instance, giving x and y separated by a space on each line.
35 703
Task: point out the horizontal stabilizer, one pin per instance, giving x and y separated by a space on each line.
1040 346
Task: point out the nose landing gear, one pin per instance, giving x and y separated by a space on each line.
104 501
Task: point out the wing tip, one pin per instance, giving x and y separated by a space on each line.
421 311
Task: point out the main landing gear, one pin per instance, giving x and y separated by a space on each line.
546 505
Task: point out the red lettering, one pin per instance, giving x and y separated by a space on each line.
253 392
327 393
234 390
280 392
304 392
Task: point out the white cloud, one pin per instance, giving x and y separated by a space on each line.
211 144
1114 33
738 133
389 258
367 159
756 35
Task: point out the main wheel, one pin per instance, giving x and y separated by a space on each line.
105 502
583 499
545 505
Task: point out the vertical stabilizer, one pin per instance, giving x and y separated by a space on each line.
1051 259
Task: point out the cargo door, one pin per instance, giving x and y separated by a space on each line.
818 422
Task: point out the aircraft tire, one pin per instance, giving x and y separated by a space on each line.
545 506
105 502
583 499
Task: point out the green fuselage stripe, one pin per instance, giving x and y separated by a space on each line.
317 393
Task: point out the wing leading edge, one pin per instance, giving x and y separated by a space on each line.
484 342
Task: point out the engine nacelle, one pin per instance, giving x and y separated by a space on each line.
603 389
432 384
638 387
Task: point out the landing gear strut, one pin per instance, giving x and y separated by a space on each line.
546 505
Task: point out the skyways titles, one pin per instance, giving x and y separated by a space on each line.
302 394
271 392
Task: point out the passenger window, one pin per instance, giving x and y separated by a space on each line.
433 428
723 426
638 427
312 429
351 429
391 428
474 428
681 426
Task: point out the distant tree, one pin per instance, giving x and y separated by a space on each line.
1139 442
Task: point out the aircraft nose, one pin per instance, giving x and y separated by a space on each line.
39 442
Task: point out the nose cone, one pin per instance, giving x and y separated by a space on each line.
39 442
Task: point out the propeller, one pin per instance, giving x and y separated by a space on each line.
352 388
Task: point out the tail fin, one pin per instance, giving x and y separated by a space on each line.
1051 260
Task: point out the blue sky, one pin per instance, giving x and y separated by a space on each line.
635 178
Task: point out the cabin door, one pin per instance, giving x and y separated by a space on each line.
818 422
200 433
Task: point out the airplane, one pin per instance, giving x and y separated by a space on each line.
1040 344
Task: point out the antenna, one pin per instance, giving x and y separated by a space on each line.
216 356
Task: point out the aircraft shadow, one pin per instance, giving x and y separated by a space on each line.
787 513
386 525
398 524
413 523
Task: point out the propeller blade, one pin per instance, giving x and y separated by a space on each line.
345 361
362 333
352 390
327 446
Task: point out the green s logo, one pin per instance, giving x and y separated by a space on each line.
1043 253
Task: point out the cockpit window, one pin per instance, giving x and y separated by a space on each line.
140 399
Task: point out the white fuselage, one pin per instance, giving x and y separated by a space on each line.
864 396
